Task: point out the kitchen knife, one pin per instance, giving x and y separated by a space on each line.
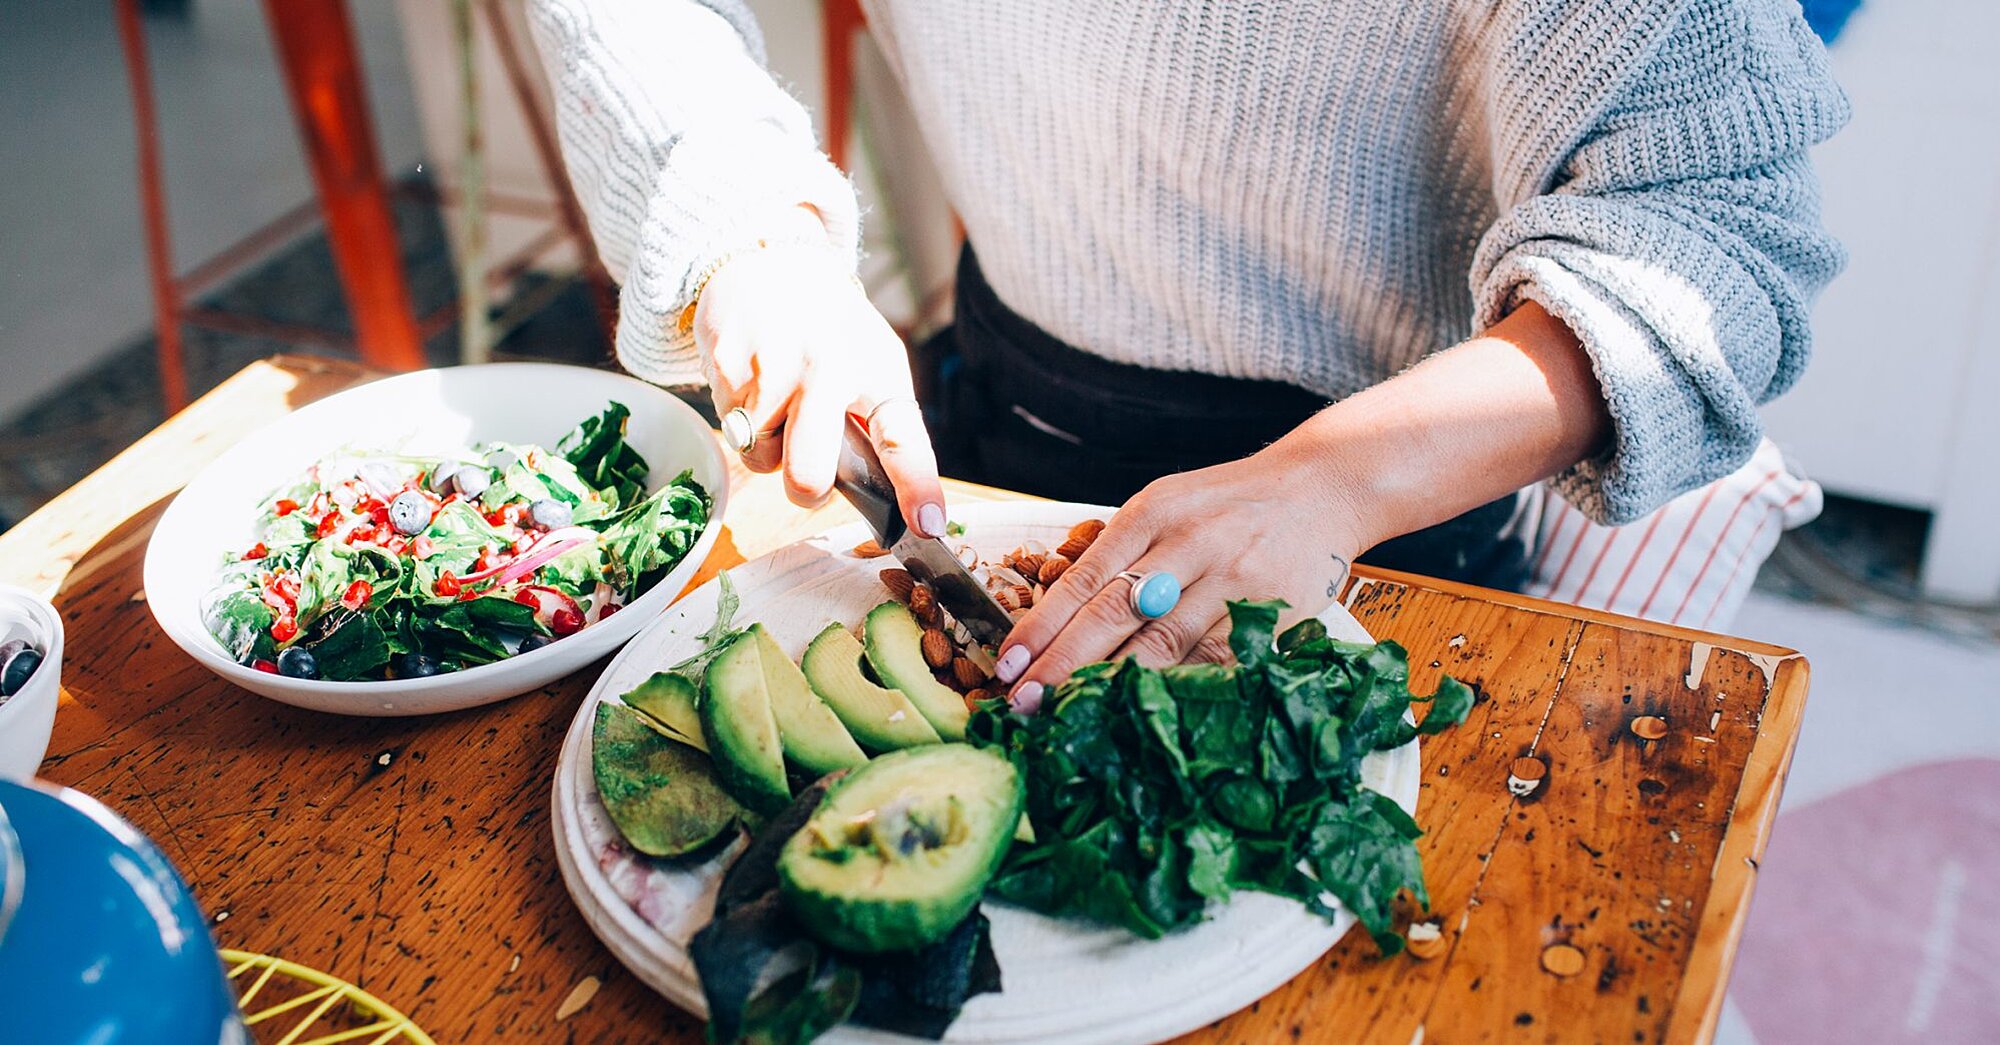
859 477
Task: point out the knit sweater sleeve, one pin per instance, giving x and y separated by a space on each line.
682 149
1674 227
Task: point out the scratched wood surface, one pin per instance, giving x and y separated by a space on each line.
414 856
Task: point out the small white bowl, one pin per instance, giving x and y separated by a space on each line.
27 717
430 411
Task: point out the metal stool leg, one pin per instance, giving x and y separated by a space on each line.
317 57
153 210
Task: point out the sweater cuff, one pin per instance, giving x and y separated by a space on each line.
719 193
1668 437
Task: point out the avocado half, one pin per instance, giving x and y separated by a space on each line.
811 734
741 730
902 848
881 719
895 644
670 704
661 794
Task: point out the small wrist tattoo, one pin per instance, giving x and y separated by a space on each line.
1333 586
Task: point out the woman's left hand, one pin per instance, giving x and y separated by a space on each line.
1277 524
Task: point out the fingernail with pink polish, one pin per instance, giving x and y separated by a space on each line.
930 519
1028 699
1013 660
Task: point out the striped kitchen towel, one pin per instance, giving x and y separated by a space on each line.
1689 563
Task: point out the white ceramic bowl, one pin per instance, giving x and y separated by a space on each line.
431 411
27 717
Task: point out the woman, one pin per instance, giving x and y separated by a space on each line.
1224 258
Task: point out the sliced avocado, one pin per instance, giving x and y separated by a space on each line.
662 795
810 732
670 704
895 643
902 848
742 732
882 719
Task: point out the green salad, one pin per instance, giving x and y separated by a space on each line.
381 565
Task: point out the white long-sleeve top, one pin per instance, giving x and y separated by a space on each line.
1311 192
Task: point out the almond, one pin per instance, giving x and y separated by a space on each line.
1086 531
937 648
899 582
1072 548
967 673
1029 564
869 550
1025 595
1052 568
923 604
1014 597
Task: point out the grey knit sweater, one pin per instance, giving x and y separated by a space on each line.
1308 191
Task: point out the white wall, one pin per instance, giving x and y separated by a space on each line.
1899 401
72 259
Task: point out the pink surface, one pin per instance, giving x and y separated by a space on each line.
1877 914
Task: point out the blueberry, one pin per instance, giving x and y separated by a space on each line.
412 666
471 480
549 514
534 641
299 663
410 513
501 460
19 667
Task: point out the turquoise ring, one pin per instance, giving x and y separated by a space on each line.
1155 594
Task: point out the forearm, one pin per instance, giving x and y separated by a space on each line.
1503 410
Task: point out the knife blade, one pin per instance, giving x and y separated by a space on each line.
859 477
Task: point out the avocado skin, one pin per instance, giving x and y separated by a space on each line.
832 664
673 703
661 794
741 731
894 641
811 734
857 917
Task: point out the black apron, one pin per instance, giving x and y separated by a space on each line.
1010 405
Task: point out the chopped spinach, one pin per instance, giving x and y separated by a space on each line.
1156 793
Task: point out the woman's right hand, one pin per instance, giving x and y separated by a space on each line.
789 336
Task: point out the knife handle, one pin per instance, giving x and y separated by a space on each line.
858 475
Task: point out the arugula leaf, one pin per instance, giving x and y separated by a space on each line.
719 634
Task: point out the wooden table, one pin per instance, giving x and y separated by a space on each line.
414 856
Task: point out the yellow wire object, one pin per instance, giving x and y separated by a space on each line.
287 987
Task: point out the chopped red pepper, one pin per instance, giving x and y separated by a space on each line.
447 583
357 595
470 594
265 665
286 506
327 524
496 517
285 630
257 551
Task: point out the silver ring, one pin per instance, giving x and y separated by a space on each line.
912 400
1152 595
740 433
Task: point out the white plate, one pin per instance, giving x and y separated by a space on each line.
430 411
1065 981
